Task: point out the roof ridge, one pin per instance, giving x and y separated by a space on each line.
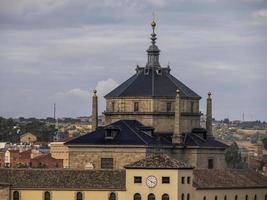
135 132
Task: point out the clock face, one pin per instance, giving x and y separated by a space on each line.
151 181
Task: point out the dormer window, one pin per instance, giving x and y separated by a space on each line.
147 129
146 71
159 71
111 132
169 106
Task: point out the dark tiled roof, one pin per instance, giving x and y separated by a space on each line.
228 178
158 162
130 133
195 139
62 178
153 84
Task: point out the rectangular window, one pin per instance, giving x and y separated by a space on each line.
113 106
136 106
183 180
188 180
192 107
169 107
138 179
165 179
107 163
210 163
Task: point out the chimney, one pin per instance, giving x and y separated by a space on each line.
177 137
94 111
209 116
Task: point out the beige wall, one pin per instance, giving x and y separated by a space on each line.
67 194
28 137
59 151
79 158
173 189
4 192
230 193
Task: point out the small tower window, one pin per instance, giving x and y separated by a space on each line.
165 197
225 197
169 106
79 196
236 197
255 197
47 196
188 196
113 106
136 106
204 198
112 196
188 180
15 195
151 197
215 198
137 196
192 107
182 196
246 197
210 163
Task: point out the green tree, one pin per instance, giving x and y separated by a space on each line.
233 157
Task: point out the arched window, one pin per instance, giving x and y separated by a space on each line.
15 195
204 198
151 197
188 196
255 197
246 197
225 197
236 197
79 196
112 196
182 196
215 198
137 196
47 196
165 197
265 196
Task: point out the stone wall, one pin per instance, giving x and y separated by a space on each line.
153 112
82 158
4 192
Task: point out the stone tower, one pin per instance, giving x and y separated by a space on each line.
149 96
209 115
94 111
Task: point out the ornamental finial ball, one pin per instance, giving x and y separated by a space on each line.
94 91
209 94
153 24
177 91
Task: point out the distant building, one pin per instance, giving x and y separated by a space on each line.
28 138
46 161
59 151
2 158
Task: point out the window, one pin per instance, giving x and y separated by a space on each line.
113 106
188 179
137 196
169 106
215 198
210 163
79 196
15 195
151 197
204 198
47 196
246 197
107 163
112 196
265 197
137 179
236 197
225 197
165 179
192 107
188 196
255 197
182 196
183 180
136 106
165 197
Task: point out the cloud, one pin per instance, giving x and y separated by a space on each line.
105 86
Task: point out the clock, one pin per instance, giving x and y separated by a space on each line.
151 181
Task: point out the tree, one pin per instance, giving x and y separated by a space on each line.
264 142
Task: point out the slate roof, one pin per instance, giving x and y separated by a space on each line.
130 134
64 178
161 161
228 178
152 85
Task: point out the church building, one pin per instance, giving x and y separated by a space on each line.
151 112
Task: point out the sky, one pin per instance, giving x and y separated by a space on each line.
59 51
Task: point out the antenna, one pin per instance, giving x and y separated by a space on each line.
54 111
153 15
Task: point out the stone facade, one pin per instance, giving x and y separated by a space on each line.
88 158
154 112
4 192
